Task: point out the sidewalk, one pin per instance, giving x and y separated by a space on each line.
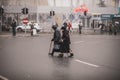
22 34
75 31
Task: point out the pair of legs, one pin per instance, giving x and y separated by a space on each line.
80 31
14 32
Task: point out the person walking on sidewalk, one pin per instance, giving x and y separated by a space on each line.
13 25
32 27
80 25
115 27
110 28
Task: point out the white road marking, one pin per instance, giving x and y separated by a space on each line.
78 42
3 78
93 65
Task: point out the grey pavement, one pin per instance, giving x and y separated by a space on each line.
96 57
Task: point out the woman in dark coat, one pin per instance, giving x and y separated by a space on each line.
65 47
56 39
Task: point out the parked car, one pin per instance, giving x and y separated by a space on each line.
27 27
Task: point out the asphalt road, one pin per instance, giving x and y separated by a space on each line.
96 57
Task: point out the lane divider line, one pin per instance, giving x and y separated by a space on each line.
90 64
3 78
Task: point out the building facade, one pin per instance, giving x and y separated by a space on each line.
64 9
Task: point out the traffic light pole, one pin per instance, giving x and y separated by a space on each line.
1 25
1 15
25 29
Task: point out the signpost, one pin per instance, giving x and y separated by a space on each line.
25 21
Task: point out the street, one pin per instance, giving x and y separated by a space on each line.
96 57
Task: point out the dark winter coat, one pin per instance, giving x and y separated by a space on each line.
14 28
56 36
66 37
66 41
13 25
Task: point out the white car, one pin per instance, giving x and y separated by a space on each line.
27 27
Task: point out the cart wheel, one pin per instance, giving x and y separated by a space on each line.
60 55
71 55
50 54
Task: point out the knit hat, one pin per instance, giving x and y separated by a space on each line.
63 28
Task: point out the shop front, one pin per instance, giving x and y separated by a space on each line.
106 19
116 19
95 20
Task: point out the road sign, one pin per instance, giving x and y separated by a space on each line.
25 21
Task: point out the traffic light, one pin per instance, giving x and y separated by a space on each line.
1 11
25 10
85 13
52 13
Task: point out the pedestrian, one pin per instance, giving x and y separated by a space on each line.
32 27
101 27
92 25
80 25
65 24
115 29
13 25
110 28
56 39
69 26
65 47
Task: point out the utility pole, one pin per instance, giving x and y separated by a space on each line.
25 24
37 18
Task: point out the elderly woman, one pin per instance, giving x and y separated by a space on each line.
66 40
56 39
